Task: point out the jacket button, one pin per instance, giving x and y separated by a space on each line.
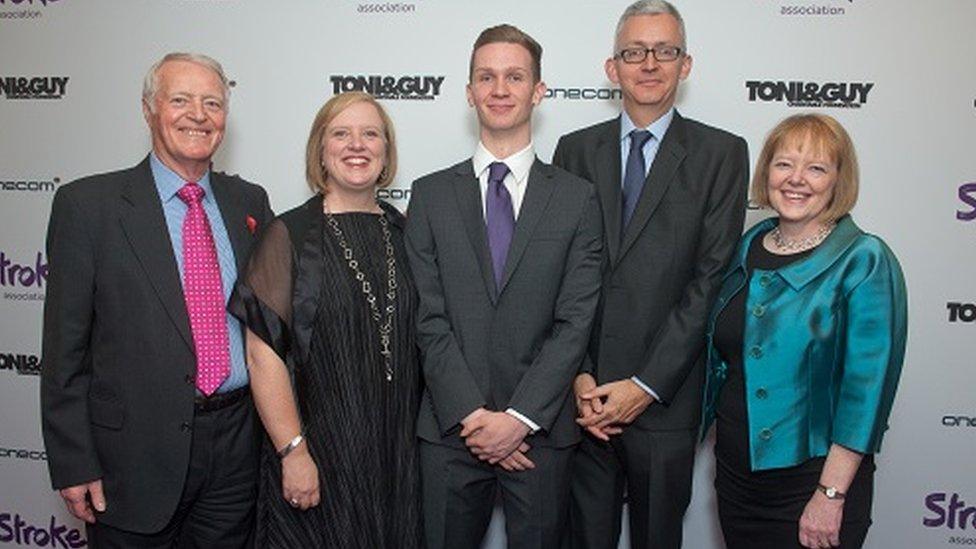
185 427
756 352
765 281
758 311
761 393
765 434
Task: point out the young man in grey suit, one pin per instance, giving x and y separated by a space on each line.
505 251
673 195
150 433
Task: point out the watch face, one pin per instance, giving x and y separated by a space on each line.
831 492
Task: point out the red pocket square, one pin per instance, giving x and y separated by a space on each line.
252 224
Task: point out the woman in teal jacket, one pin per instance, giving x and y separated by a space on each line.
805 347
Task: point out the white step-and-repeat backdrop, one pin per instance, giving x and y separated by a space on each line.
899 74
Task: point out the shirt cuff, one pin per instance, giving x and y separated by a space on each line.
533 426
644 386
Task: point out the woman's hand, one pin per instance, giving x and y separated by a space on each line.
300 479
820 521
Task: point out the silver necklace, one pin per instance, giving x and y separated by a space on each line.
384 322
784 244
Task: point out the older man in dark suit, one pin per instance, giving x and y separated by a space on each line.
147 419
505 252
673 196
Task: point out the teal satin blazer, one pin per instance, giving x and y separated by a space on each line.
823 348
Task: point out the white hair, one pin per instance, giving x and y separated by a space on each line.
150 84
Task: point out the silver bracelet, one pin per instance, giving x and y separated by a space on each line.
291 446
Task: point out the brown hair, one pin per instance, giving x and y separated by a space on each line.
315 173
828 138
512 35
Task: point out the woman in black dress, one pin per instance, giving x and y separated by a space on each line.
806 345
329 304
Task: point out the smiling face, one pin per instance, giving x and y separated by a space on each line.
354 150
186 117
801 185
503 91
649 88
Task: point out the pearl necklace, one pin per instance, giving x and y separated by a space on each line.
784 244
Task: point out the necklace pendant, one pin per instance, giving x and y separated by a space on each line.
389 371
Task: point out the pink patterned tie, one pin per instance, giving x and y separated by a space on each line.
204 293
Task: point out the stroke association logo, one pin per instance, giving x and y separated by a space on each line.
413 87
592 93
22 9
967 195
798 93
17 530
33 87
816 9
386 7
949 513
23 281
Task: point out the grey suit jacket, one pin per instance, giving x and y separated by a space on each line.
117 383
519 347
661 276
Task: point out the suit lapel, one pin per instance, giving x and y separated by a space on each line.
538 190
234 214
142 221
607 181
669 156
468 194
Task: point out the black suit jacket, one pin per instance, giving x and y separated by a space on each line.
117 384
519 347
661 276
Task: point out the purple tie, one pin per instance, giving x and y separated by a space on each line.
203 291
500 219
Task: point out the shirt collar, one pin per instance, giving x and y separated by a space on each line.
657 128
169 182
518 164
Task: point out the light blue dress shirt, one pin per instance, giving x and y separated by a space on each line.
174 209
657 128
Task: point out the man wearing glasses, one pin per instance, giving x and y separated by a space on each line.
673 193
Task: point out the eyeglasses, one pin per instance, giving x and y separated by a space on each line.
661 54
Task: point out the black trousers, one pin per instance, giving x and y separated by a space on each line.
762 510
216 509
459 494
654 468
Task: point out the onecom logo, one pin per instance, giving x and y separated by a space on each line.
30 185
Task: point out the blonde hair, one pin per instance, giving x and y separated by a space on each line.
827 138
315 173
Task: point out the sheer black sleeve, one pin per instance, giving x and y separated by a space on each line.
262 297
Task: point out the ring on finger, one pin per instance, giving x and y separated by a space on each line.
293 502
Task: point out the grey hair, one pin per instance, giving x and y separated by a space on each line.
150 84
650 7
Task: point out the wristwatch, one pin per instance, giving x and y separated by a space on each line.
831 492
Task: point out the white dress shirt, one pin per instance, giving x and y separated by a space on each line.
517 179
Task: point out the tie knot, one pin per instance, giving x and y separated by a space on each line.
497 172
191 193
638 138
